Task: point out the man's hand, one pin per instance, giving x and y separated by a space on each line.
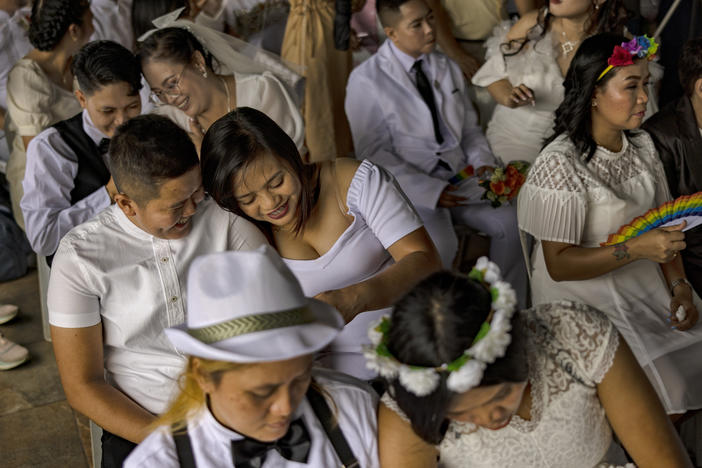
450 200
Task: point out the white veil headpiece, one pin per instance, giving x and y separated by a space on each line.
236 56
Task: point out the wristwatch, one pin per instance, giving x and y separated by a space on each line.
677 282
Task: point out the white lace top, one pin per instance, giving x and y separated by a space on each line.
570 347
568 200
555 202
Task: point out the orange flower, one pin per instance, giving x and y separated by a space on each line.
497 187
511 171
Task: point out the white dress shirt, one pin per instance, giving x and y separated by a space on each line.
109 270
354 406
49 178
392 126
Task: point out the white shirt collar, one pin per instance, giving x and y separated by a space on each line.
208 419
406 60
91 130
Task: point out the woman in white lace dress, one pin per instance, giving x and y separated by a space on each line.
525 66
596 175
546 388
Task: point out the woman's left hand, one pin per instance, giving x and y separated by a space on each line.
348 301
682 297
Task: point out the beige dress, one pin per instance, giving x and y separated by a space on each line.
33 104
309 42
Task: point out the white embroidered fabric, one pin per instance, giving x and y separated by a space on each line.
554 200
568 200
570 347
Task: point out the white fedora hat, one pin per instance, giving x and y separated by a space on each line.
249 307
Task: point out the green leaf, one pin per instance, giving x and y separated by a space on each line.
457 363
484 330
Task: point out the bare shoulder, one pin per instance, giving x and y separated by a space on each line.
399 446
345 171
521 28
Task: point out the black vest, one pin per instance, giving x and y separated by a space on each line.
92 171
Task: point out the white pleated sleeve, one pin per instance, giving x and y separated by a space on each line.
552 203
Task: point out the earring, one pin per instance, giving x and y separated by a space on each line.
597 6
204 73
594 103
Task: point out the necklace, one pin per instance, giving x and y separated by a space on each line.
226 90
567 46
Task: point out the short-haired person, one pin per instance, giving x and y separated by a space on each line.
477 386
597 173
119 279
410 112
67 180
677 133
250 396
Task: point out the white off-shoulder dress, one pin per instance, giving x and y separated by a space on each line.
569 347
382 216
519 134
568 200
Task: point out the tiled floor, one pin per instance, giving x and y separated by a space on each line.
37 427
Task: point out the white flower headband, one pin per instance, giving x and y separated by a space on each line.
466 371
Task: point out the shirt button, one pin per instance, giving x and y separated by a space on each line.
164 259
174 298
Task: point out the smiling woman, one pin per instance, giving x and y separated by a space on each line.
194 88
344 228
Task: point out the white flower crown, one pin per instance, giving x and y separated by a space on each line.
466 371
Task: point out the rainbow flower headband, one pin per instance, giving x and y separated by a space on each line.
466 371
639 47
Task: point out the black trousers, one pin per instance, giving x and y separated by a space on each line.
114 450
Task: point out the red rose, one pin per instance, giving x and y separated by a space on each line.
620 57
498 188
511 172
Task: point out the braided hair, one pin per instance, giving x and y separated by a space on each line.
51 19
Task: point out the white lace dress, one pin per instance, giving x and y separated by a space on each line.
566 200
518 134
570 347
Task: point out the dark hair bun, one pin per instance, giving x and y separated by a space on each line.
51 19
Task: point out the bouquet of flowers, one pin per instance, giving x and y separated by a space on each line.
504 183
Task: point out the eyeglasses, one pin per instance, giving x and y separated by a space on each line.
171 89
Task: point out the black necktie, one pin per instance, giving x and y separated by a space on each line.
294 445
103 146
427 94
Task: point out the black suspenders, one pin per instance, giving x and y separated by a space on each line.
184 448
331 427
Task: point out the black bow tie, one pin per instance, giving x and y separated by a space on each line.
294 445
104 146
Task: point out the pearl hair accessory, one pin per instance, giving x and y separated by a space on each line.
466 371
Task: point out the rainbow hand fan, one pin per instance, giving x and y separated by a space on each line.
685 208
